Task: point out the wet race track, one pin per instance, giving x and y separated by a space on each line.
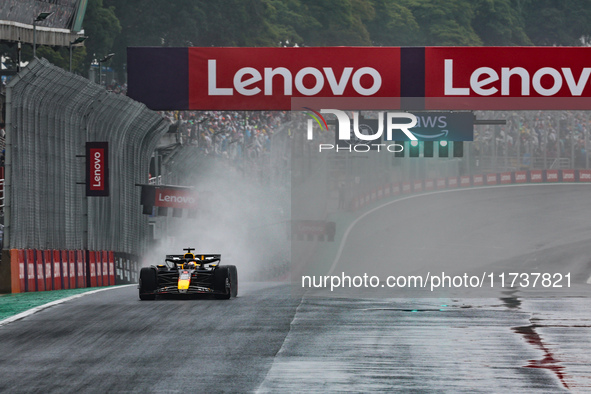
267 340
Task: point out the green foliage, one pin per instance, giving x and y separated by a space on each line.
339 22
393 24
557 22
113 25
499 22
444 22
60 56
102 27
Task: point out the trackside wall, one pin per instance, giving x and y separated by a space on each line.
392 190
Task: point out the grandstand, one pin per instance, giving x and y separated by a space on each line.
62 27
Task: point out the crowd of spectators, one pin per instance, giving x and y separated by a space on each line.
230 134
535 134
526 135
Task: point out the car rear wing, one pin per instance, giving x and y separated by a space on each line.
208 258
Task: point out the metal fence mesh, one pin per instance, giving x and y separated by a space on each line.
52 114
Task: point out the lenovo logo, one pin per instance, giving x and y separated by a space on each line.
487 81
250 81
97 157
175 198
568 175
97 169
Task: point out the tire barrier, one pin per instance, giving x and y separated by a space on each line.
42 270
503 178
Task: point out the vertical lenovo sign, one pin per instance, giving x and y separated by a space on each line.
97 169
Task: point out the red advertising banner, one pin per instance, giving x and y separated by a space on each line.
584 175
417 186
406 187
72 265
175 198
520 176
92 268
81 269
268 78
478 180
505 178
551 175
97 169
465 181
57 270
441 183
17 266
48 268
452 182
568 175
111 268
308 227
105 262
99 267
30 269
65 269
491 179
536 176
507 77
40 269
429 184
448 78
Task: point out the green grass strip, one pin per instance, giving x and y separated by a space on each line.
13 304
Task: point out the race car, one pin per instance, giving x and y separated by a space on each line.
189 273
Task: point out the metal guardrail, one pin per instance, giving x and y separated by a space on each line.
560 163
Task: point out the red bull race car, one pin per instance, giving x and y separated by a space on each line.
189 273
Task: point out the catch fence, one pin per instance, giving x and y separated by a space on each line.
51 114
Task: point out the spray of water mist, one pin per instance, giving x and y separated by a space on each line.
239 217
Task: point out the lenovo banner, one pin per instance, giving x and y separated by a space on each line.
175 198
432 78
97 169
508 77
258 78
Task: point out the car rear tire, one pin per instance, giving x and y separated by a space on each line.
233 280
222 280
147 284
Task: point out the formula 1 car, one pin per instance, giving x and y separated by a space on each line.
189 273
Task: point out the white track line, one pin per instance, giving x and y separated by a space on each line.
344 239
259 390
56 302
